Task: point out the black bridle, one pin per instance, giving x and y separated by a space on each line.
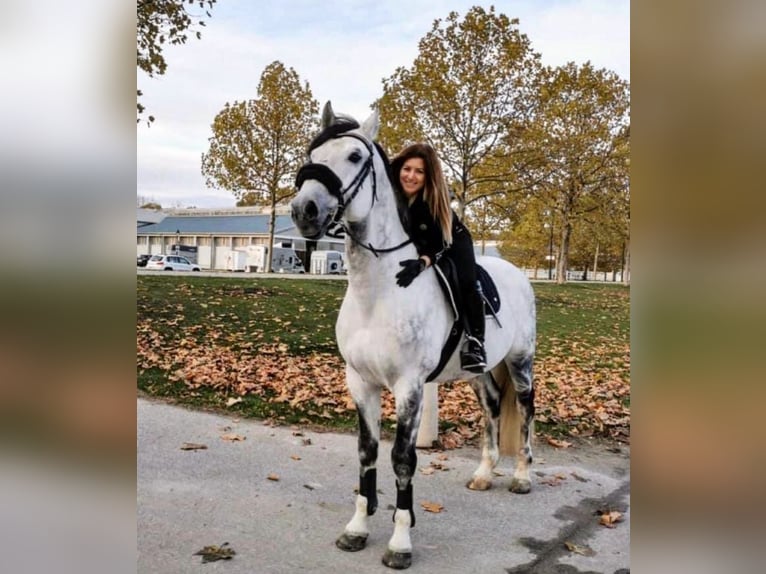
327 177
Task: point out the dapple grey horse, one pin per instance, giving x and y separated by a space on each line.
392 337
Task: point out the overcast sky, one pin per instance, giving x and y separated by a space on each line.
343 49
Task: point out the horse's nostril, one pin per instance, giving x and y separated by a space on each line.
311 210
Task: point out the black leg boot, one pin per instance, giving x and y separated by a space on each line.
473 357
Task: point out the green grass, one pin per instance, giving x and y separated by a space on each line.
298 313
583 328
584 316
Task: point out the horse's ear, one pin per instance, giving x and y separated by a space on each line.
328 116
371 125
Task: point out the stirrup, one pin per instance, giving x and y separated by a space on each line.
473 360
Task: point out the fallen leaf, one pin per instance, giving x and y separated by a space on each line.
213 553
274 477
193 446
559 443
233 401
554 480
295 457
434 507
577 549
233 437
609 519
306 441
429 470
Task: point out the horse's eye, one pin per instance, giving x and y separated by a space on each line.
355 157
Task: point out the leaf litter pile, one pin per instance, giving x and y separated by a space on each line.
232 343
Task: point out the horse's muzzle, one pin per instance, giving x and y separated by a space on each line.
311 215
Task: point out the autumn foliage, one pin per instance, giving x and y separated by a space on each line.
271 342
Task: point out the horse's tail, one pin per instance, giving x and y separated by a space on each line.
510 417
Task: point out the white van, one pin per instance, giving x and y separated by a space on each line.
283 259
327 263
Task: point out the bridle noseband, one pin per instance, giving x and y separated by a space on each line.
327 177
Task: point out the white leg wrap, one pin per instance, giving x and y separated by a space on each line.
357 526
400 540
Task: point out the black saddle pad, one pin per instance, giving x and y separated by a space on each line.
447 274
489 290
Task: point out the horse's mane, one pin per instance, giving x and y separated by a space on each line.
344 124
341 125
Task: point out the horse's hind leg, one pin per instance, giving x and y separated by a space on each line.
521 374
488 393
409 407
367 399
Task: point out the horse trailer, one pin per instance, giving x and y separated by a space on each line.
327 263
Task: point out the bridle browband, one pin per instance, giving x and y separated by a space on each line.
327 177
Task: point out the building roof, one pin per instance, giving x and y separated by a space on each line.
146 217
216 224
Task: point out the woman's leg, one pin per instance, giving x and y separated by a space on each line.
473 357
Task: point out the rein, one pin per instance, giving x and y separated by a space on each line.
327 177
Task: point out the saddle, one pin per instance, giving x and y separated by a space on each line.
447 274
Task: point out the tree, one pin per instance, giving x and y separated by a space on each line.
258 145
581 131
469 87
160 22
152 205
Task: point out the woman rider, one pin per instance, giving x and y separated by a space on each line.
437 232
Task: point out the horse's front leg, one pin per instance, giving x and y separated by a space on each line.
367 399
409 407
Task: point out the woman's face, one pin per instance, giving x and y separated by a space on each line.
412 176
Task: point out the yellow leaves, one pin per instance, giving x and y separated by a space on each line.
233 437
273 477
554 480
558 443
213 553
577 549
610 517
582 383
434 507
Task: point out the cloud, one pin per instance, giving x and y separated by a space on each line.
343 49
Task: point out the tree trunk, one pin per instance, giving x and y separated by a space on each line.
272 219
595 264
626 263
562 262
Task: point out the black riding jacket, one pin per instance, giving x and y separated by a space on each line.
426 233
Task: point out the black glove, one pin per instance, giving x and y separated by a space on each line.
412 268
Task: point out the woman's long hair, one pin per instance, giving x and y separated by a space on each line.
435 190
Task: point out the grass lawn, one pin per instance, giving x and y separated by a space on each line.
266 348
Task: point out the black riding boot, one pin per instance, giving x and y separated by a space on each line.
473 357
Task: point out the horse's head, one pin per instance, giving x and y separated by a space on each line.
338 181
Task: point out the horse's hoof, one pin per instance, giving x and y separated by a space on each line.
397 560
520 486
351 543
477 483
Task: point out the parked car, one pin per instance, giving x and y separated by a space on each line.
171 263
142 259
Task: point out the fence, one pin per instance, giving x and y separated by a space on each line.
576 275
